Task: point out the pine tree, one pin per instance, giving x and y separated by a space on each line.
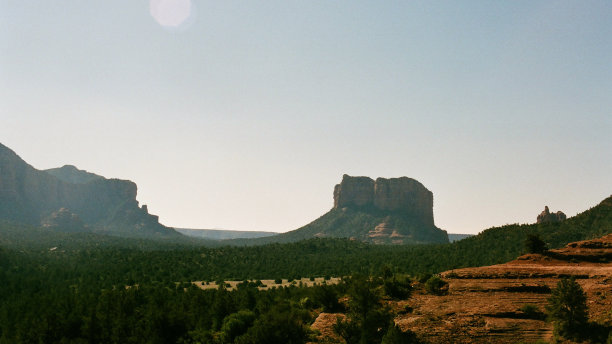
534 244
567 308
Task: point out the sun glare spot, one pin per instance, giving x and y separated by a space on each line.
170 13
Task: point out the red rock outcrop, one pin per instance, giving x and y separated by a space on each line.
357 191
506 303
547 217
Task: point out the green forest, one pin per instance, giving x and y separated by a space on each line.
86 288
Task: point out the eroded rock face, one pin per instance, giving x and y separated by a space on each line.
406 195
357 191
394 194
547 217
28 195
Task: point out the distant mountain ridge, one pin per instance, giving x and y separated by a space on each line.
30 196
381 211
222 234
452 237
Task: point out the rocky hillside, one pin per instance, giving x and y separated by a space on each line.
504 303
35 197
382 211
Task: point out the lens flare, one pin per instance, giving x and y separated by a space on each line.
170 13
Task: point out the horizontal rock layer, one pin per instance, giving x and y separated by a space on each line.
403 194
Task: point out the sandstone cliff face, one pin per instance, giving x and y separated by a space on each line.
403 194
547 217
406 195
357 191
30 196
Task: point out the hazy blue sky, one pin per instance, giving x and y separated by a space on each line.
247 114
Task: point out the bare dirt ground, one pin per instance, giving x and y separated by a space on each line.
268 283
324 325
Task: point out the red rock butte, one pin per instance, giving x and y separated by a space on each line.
402 194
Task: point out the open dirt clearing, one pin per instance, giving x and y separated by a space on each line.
269 283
